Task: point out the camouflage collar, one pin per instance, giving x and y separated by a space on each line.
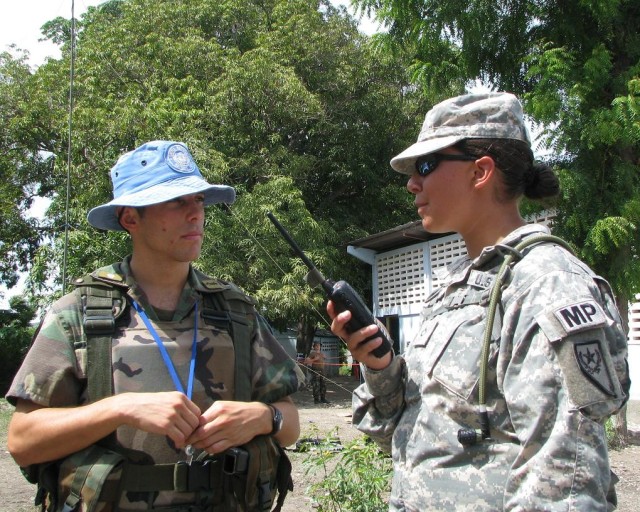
458 270
511 240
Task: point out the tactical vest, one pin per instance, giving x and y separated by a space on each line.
245 478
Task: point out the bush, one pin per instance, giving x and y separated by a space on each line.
15 337
344 370
355 478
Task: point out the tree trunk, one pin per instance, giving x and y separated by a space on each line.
306 333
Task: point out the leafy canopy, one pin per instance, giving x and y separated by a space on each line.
576 65
284 100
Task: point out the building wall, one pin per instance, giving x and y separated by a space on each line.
634 348
404 278
330 348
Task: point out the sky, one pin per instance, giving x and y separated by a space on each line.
21 21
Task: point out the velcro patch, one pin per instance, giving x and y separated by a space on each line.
591 363
580 316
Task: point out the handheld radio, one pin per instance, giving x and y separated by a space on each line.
343 296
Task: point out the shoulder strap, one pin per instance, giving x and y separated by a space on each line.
230 306
102 303
514 255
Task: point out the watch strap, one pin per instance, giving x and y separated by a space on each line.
276 420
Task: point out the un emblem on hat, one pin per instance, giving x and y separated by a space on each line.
179 159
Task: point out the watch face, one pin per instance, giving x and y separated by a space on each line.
277 420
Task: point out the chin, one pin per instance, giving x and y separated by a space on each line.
430 227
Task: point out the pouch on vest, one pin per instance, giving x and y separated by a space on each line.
256 476
82 477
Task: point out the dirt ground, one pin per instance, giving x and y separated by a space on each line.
16 494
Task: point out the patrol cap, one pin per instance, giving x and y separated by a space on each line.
156 172
491 115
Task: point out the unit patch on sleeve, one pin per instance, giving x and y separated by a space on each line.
580 316
591 363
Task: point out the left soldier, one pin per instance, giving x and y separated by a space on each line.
172 369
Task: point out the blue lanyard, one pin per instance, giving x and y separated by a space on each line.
165 355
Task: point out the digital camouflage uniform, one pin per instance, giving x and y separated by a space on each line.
557 370
52 375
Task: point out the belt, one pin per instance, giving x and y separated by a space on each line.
181 477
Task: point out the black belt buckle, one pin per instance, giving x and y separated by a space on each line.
192 477
236 461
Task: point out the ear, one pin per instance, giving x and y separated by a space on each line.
484 171
128 217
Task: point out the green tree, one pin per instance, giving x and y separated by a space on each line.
25 166
284 100
15 335
576 64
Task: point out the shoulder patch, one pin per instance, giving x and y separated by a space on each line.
591 363
580 316
214 285
111 276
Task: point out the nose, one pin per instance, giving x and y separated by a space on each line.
195 209
414 185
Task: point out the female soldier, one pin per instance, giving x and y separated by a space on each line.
520 425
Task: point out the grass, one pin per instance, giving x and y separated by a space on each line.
6 410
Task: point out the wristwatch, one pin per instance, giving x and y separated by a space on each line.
277 420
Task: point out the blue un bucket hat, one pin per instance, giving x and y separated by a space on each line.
156 172
491 115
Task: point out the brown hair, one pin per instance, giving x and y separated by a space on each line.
521 175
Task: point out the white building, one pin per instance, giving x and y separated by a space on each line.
405 263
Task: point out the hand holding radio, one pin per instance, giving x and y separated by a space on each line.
343 297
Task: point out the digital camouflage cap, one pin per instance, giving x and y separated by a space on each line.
491 115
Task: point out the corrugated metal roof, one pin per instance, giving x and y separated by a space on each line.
397 237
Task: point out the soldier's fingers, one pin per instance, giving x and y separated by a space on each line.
194 408
218 447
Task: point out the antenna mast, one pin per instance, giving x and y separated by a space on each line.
66 214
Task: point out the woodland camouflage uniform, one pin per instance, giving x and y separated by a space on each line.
54 376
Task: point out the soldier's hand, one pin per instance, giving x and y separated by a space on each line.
168 413
227 424
360 351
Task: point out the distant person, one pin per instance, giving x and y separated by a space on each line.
316 361
555 366
189 369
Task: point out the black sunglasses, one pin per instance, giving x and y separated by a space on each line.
426 164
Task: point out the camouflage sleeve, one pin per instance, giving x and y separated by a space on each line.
50 375
275 374
379 402
560 382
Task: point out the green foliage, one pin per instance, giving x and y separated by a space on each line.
354 478
25 169
284 100
15 337
345 370
576 65
614 440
